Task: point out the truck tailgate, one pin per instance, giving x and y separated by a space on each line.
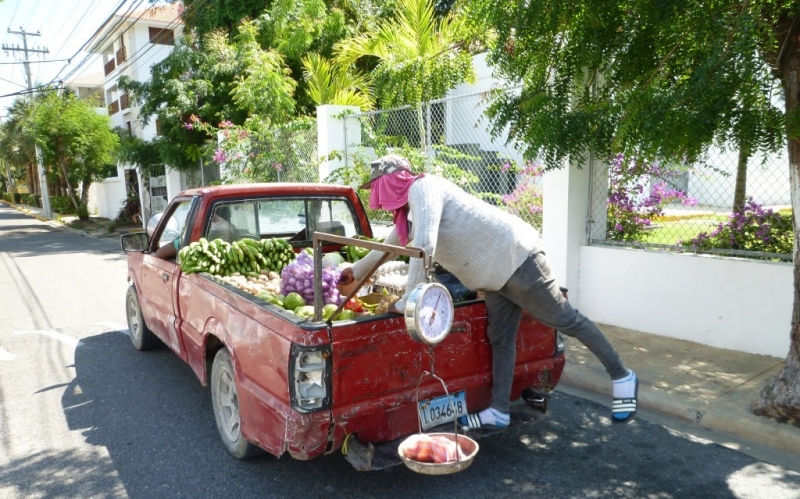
377 366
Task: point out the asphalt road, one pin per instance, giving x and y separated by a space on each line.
84 415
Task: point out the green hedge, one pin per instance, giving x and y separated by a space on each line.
33 200
63 205
13 198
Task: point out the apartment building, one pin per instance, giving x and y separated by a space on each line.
130 44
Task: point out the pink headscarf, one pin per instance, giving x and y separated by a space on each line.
390 192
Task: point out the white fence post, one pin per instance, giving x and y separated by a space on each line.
565 205
332 137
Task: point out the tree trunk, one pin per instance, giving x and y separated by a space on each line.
70 190
781 397
32 179
87 182
740 192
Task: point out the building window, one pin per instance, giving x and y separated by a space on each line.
130 129
162 36
158 127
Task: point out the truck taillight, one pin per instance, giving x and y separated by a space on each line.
560 343
309 377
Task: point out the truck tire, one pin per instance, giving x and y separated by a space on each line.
141 336
225 400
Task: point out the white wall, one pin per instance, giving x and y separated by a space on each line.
466 122
729 303
106 197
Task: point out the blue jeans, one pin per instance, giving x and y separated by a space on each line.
532 288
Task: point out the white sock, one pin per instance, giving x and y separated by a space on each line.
625 388
494 417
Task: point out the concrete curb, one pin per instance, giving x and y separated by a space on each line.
742 423
58 225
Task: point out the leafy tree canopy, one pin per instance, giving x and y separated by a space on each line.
658 79
419 57
226 81
654 79
76 142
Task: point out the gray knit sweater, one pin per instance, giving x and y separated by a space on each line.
480 244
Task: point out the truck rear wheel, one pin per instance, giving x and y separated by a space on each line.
225 400
141 336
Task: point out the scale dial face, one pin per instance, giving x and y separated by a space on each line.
429 313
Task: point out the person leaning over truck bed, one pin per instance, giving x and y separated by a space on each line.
494 251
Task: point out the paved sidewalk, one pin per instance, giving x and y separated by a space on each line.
705 386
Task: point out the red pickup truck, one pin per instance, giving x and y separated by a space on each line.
281 383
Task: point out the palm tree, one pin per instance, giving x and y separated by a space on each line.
17 141
330 84
419 57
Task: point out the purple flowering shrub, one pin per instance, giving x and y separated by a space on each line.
630 212
526 199
754 229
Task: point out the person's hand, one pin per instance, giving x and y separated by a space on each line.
346 276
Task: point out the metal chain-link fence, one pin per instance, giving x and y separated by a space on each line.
723 204
207 173
283 154
450 137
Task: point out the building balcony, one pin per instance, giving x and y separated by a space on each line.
122 56
109 67
113 108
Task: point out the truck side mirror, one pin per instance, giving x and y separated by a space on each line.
136 241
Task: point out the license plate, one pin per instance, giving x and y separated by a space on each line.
438 411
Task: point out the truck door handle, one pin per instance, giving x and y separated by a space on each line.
164 276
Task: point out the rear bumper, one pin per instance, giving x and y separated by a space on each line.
372 457
390 418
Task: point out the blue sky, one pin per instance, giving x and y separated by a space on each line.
65 25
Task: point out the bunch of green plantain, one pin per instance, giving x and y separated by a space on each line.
353 254
245 256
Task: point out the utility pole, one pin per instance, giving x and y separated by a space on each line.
26 61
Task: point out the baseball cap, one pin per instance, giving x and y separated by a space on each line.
384 165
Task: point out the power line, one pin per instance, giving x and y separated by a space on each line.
14 14
142 51
88 9
108 34
46 60
13 83
113 13
33 11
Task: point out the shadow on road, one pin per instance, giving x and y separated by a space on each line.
151 414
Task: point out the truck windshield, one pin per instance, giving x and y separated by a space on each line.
289 218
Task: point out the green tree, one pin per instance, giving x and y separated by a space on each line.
204 16
653 80
419 57
330 84
225 81
17 142
75 141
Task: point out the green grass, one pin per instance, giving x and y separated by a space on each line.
670 232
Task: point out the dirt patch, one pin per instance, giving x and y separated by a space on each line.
97 226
